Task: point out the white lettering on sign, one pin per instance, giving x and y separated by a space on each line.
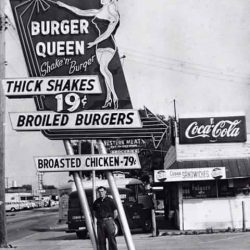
224 128
64 27
124 145
87 162
189 174
81 120
60 48
132 150
48 66
76 67
47 86
62 163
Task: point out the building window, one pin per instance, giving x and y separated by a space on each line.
199 189
207 189
242 186
225 189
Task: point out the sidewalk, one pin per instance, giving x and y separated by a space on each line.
55 238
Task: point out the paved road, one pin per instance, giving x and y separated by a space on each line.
38 230
57 239
23 223
225 241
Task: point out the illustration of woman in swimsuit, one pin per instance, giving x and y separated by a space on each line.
106 20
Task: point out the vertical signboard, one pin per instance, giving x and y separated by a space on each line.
76 37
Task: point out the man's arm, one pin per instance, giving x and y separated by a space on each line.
94 209
114 208
115 214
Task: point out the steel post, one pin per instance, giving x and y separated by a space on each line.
154 227
243 217
83 199
117 200
93 183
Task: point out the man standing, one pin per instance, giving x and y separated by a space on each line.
105 211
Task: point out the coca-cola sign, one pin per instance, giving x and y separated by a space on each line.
212 129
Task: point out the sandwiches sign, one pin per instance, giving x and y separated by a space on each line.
189 174
212 129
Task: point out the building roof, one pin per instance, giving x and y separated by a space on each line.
235 168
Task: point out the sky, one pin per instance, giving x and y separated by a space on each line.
193 51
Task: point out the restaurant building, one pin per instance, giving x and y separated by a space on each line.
206 175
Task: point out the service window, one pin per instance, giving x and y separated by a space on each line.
224 189
199 189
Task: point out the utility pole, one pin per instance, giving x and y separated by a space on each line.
175 110
3 231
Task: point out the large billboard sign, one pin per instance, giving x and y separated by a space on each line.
132 126
69 38
212 129
75 71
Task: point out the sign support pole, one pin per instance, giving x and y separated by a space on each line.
83 199
116 196
154 231
3 231
93 182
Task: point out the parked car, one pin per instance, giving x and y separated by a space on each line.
12 206
24 205
39 203
137 208
32 204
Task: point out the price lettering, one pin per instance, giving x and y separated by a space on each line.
129 161
72 100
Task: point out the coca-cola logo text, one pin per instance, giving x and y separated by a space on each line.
215 129
224 128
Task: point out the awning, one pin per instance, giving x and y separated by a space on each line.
235 168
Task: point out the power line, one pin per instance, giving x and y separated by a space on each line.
184 67
190 71
182 63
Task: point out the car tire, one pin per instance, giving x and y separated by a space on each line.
12 209
147 226
81 234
